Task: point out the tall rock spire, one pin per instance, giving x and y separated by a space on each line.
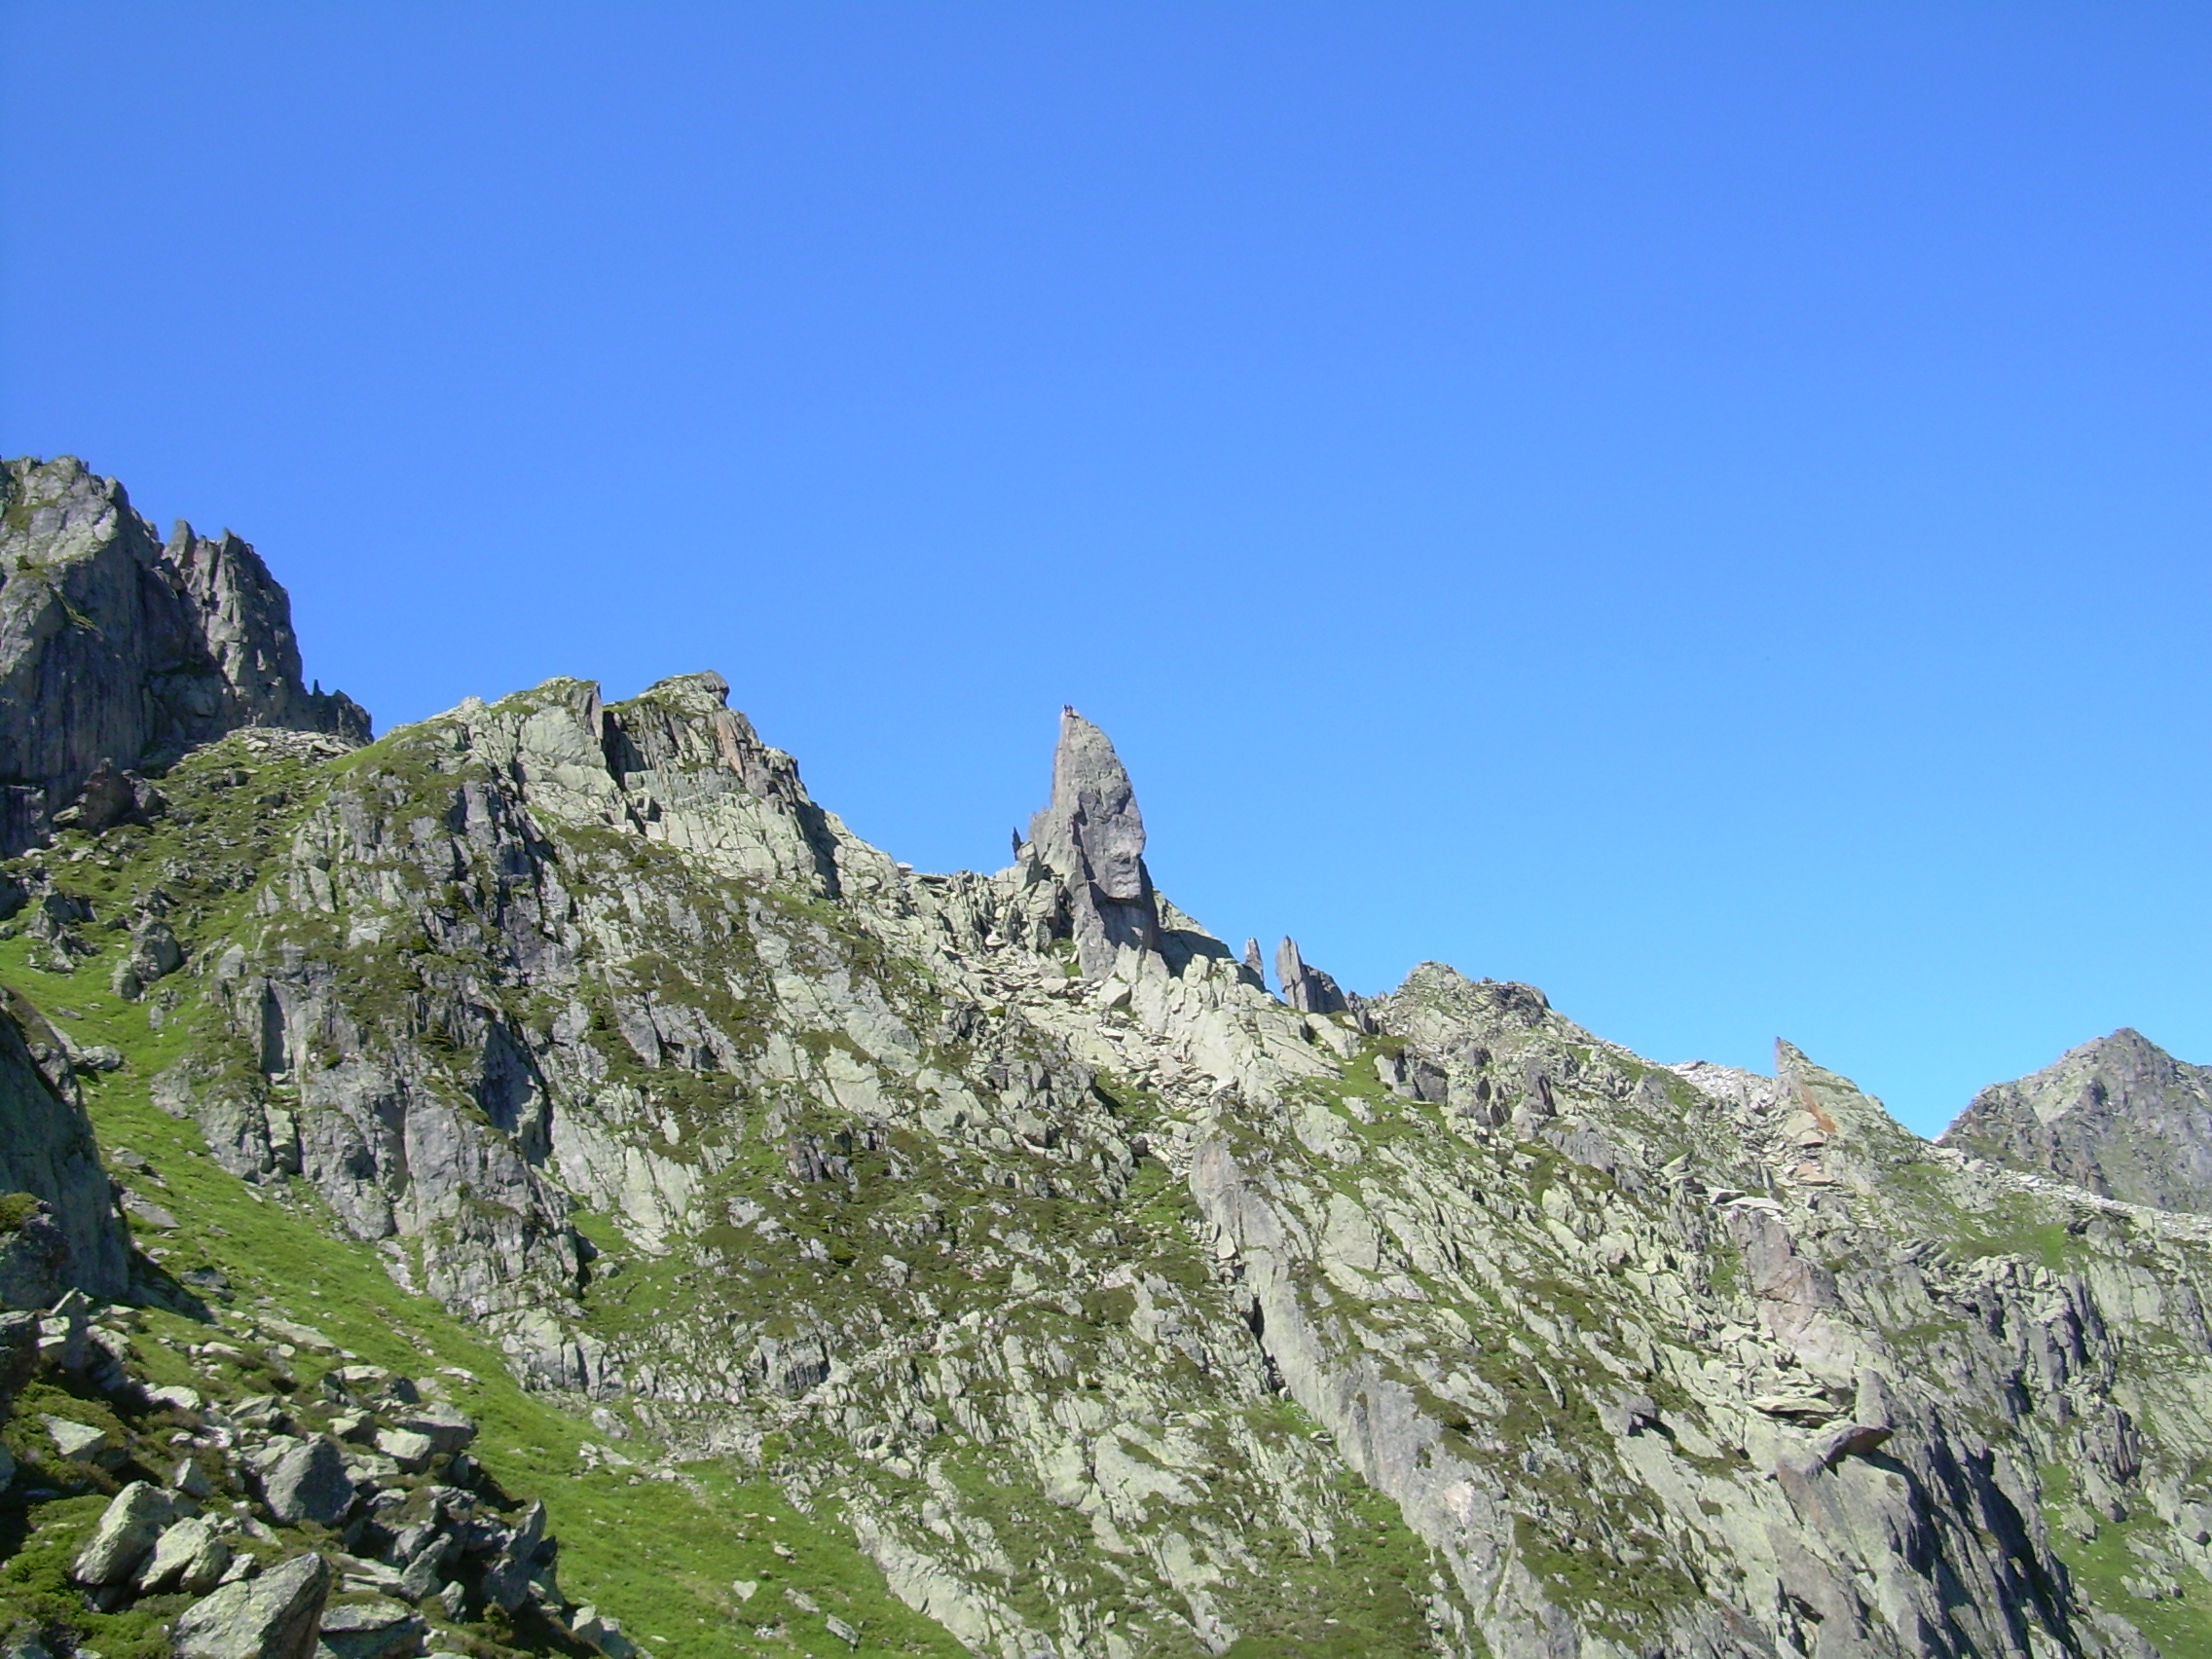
1091 836
1305 986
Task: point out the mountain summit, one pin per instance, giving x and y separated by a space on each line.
119 652
2119 1115
856 1258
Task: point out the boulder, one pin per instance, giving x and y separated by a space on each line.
155 953
128 1531
381 1628
1850 1440
145 1211
189 1556
74 1439
367 1382
410 1450
275 1615
446 1427
111 796
299 1336
505 1581
190 1479
605 1635
426 1569
309 1483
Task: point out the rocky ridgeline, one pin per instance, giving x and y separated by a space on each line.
1110 1302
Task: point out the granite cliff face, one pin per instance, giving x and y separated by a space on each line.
1100 1300
2119 1115
119 652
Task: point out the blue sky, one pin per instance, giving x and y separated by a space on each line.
1702 508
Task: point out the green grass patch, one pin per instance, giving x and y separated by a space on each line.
659 1555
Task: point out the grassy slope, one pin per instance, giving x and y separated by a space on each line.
659 1555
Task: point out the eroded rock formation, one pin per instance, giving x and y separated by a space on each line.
119 652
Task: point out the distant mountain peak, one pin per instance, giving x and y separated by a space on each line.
2118 1116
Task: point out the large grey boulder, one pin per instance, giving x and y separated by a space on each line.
383 1629
309 1483
155 954
119 652
1092 837
127 1533
47 1151
191 1556
446 1427
595 1631
273 1616
2120 1117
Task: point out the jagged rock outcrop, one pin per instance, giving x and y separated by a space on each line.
1304 986
1557 1304
2119 1115
1114 1306
1092 837
118 652
74 1239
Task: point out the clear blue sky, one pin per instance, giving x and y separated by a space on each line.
1703 508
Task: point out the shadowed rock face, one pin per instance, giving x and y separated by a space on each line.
47 1150
119 653
2119 1115
1092 837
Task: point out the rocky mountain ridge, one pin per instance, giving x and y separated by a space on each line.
1008 1228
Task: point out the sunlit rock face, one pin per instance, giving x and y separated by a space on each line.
1110 1305
1092 837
